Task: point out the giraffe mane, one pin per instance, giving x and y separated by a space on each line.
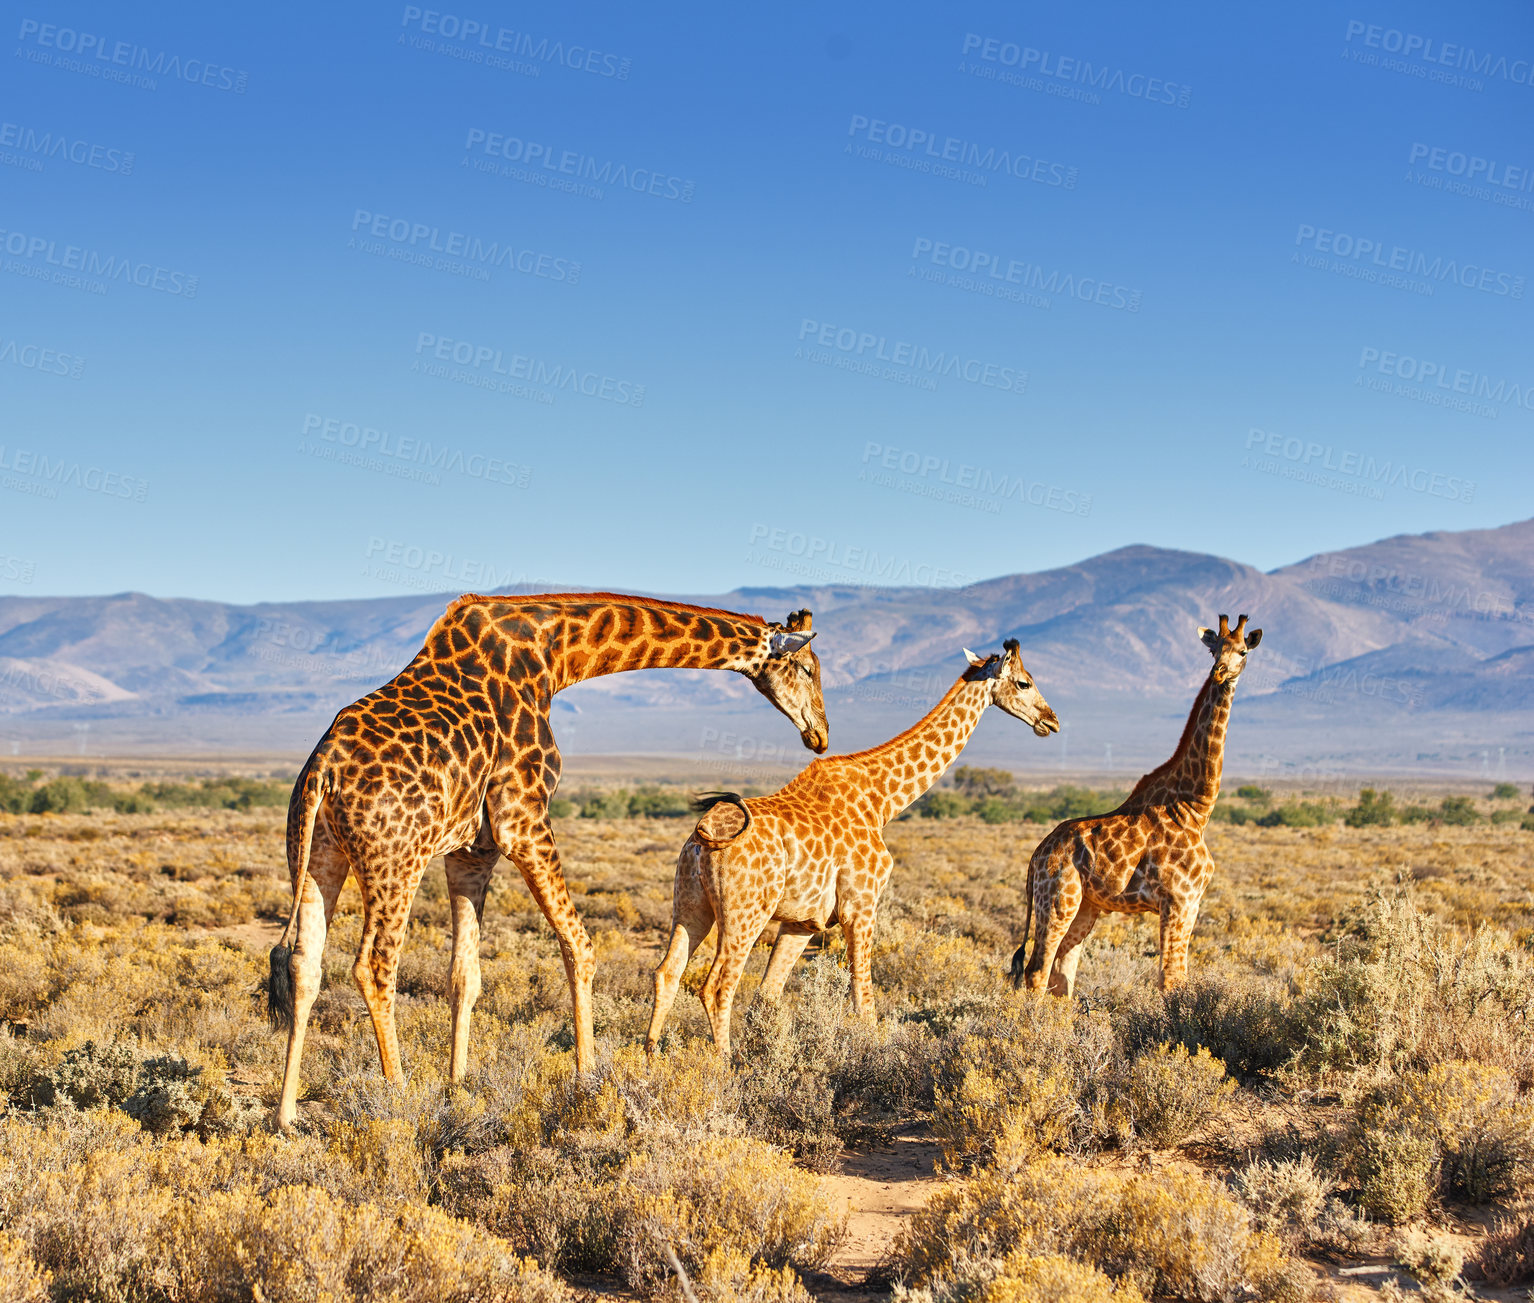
901 737
627 599
1183 742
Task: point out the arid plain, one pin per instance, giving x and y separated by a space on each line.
1337 1105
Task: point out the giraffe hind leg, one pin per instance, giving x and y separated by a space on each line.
386 914
1062 979
1056 899
322 885
692 919
468 878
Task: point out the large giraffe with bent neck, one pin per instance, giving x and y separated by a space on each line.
1146 857
454 756
813 853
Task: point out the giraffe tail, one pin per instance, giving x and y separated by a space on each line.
706 802
303 809
1020 956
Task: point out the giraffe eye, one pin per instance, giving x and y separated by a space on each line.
1024 684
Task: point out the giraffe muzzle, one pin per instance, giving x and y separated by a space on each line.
1047 723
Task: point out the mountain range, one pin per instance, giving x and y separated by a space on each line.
1412 654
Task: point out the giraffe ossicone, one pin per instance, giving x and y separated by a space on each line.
1146 857
454 756
813 853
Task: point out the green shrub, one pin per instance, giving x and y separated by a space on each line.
997 809
1505 792
1251 792
1296 814
603 805
977 784
942 803
1458 810
659 803
1394 1171
1374 809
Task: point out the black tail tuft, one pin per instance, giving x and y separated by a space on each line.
706 801
279 989
1019 965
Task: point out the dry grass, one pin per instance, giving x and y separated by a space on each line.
1340 1060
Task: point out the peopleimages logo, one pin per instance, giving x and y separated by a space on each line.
1406 367
582 167
1377 254
1444 54
486 38
58 147
518 368
1066 68
109 55
421 243
920 145
89 269
868 347
975 264
1332 467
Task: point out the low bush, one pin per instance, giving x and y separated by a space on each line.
1402 991
1035 1075
1374 809
1170 1233
1505 1255
1170 1092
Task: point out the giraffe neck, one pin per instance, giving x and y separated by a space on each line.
1192 776
906 766
612 637
573 637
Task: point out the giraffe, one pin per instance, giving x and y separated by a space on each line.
1146 857
813 853
454 757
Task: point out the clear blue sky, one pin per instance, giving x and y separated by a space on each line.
1190 226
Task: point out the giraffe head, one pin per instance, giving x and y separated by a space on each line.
1012 687
1229 648
790 679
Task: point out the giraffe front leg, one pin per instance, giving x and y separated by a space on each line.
468 878
786 951
1177 919
533 851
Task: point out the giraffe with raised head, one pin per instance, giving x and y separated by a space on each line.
1146 857
813 853
454 756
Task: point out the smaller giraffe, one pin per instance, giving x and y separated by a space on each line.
813 853
1146 857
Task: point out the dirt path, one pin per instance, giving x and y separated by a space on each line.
880 1188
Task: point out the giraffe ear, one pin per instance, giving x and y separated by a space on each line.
1253 638
786 644
973 659
1209 638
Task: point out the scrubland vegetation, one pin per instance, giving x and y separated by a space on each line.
1348 1078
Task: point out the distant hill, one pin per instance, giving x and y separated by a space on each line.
1415 652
